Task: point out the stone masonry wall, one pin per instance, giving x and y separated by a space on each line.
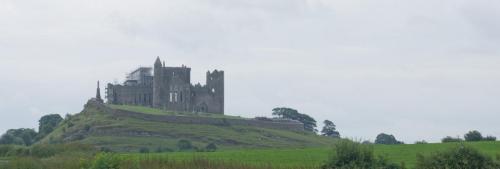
291 125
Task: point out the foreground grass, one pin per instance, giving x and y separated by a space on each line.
315 157
305 158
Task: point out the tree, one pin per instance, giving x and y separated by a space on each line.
184 145
383 138
473 136
292 114
144 150
211 147
461 156
490 138
47 124
421 142
330 129
449 139
21 136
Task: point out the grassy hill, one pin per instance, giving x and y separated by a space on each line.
97 126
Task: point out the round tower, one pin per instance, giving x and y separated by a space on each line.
157 83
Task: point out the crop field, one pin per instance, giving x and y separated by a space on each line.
314 157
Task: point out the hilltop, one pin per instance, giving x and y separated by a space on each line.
129 128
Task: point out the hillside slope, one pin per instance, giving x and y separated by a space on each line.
97 125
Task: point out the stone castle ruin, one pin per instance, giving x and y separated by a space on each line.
169 88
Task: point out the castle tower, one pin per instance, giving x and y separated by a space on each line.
215 85
98 95
157 83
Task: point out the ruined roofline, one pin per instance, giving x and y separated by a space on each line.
141 68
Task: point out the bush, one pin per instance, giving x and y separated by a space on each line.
211 147
449 139
473 136
43 151
383 138
463 157
184 145
105 161
349 154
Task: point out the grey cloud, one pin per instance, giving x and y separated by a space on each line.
417 69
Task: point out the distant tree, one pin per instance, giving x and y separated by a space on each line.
329 129
449 139
383 138
292 114
490 138
144 150
184 145
105 149
211 147
349 154
421 142
462 156
367 142
162 149
21 136
473 136
47 124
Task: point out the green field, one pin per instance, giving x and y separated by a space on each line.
304 158
314 157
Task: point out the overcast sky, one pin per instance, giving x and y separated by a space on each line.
416 69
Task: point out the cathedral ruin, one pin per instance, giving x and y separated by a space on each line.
169 88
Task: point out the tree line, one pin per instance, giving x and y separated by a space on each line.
26 136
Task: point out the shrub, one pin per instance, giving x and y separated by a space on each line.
211 147
43 151
184 145
349 154
383 138
449 139
473 136
105 161
463 157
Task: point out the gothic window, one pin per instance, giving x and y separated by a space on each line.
175 97
213 90
171 97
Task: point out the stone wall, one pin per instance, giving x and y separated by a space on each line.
282 125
